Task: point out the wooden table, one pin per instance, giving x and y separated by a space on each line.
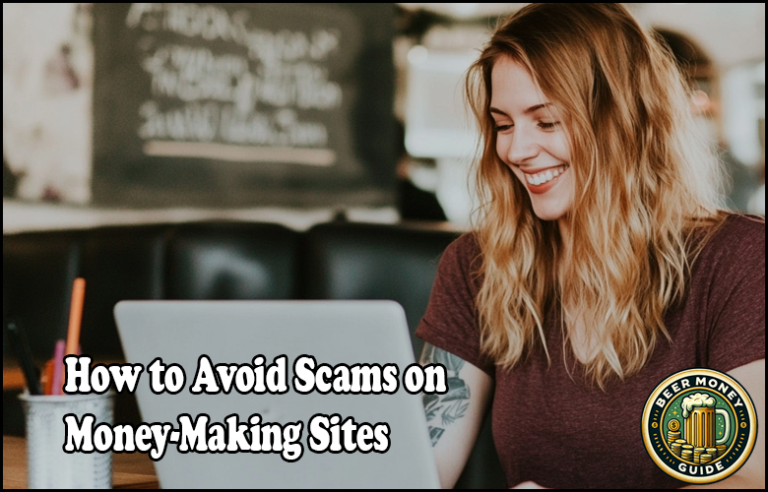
129 471
13 379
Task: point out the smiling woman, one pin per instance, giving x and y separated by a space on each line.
531 140
600 265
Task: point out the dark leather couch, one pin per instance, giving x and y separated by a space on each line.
217 261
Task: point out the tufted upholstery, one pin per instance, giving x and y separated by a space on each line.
232 261
357 261
38 271
118 264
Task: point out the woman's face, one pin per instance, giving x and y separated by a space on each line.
531 139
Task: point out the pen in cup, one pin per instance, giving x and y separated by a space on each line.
75 316
21 347
57 378
46 380
70 347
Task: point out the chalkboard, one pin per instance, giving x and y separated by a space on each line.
244 104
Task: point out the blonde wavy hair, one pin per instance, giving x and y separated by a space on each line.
647 200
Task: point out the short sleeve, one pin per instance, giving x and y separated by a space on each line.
736 307
450 322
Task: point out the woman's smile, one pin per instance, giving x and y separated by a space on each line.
542 180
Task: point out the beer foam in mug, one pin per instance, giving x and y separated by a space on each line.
695 401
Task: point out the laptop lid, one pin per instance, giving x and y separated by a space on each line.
236 332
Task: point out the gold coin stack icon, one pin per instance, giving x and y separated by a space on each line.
672 436
677 449
705 458
687 452
721 450
697 452
712 452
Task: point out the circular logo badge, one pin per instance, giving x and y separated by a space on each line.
699 426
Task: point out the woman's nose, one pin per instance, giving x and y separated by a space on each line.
523 146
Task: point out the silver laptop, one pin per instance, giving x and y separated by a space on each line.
236 332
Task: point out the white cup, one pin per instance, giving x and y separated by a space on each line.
48 466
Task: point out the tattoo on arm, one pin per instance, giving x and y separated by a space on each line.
444 410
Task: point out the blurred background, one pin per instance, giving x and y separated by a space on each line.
277 151
139 113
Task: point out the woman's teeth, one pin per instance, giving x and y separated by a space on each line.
546 176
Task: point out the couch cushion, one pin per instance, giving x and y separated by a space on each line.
38 271
232 261
118 263
365 261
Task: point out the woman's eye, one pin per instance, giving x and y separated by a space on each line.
547 125
502 128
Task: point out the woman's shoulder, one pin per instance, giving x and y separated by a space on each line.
728 294
463 256
460 266
738 227
465 245
465 248
737 233
736 249
449 321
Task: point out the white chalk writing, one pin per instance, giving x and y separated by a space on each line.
253 96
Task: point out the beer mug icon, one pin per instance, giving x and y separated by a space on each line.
700 426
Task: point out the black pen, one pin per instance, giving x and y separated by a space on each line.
20 346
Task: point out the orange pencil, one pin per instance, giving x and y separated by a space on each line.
75 316
47 379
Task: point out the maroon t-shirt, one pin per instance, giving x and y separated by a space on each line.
553 428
